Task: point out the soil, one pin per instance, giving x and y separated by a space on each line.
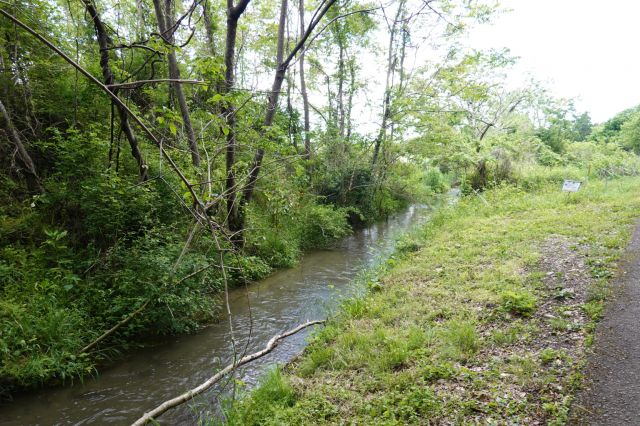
611 395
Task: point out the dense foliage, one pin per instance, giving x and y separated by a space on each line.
105 224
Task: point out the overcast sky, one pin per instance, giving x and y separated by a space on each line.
582 49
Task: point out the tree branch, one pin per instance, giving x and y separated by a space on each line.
114 328
115 99
172 403
138 83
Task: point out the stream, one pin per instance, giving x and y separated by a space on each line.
146 377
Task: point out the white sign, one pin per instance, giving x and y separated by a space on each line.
571 186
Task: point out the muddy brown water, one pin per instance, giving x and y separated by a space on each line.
147 377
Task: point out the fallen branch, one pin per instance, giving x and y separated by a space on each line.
169 404
115 327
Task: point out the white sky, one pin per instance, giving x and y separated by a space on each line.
584 49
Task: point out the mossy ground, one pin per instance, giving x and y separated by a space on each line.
483 317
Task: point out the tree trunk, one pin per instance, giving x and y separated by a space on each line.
209 27
293 125
272 100
23 155
272 103
303 90
5 70
352 91
340 100
386 103
234 220
166 26
107 74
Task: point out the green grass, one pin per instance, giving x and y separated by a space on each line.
452 332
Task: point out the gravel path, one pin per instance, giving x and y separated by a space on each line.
612 392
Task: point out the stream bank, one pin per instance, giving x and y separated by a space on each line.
486 321
145 378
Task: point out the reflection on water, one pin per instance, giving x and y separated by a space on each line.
149 376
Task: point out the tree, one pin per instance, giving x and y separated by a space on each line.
109 80
168 27
303 88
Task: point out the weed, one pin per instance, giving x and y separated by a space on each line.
520 302
461 338
548 355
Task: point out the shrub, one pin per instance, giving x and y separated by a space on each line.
322 224
435 180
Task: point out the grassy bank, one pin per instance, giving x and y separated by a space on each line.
484 315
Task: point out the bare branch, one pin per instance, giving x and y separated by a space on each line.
172 403
138 83
114 328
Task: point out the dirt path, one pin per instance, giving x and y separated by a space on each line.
612 392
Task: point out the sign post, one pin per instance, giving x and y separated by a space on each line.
571 186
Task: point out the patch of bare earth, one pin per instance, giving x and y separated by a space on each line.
567 282
504 388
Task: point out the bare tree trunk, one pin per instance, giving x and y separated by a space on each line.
303 90
107 74
190 394
14 136
352 91
340 100
234 220
386 103
165 25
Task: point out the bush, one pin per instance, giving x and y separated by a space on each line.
604 160
280 239
322 224
532 177
435 180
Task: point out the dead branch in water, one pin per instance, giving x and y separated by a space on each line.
172 403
